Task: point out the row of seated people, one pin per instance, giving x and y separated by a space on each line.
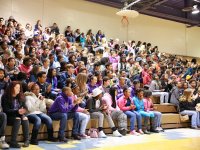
99 105
21 109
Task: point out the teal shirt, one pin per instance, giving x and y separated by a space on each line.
140 107
138 103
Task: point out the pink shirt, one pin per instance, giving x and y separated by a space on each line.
79 108
25 69
146 77
108 100
148 104
122 104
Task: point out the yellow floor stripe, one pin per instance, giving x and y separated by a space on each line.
32 147
66 146
181 144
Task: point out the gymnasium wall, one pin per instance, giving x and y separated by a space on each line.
170 36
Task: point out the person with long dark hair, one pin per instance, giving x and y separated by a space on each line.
13 104
116 114
52 79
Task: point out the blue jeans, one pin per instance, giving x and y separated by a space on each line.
63 117
133 115
37 119
156 120
84 119
195 117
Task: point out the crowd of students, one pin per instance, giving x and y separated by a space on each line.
44 77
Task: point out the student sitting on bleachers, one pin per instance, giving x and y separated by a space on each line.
110 100
149 107
126 105
3 123
84 115
45 88
155 88
36 107
13 104
187 107
139 103
63 109
176 92
99 110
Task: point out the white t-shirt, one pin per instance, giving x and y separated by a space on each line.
98 103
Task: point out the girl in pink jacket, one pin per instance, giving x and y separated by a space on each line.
115 112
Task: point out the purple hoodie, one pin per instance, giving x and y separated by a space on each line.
63 104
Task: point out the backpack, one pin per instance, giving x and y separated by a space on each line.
93 133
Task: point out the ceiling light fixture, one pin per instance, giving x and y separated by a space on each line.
125 12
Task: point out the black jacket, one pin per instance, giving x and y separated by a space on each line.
185 105
91 105
8 107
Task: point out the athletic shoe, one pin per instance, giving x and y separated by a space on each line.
102 135
116 134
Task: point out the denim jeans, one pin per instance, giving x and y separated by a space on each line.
84 119
63 117
37 119
157 119
63 120
3 123
195 116
133 115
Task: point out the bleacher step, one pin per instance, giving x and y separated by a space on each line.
166 108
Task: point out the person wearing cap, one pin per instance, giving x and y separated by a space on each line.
63 109
84 115
99 110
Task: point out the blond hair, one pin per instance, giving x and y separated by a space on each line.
187 95
81 80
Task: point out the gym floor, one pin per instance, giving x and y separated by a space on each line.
172 139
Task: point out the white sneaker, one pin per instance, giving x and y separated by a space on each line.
160 129
116 134
102 135
3 144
